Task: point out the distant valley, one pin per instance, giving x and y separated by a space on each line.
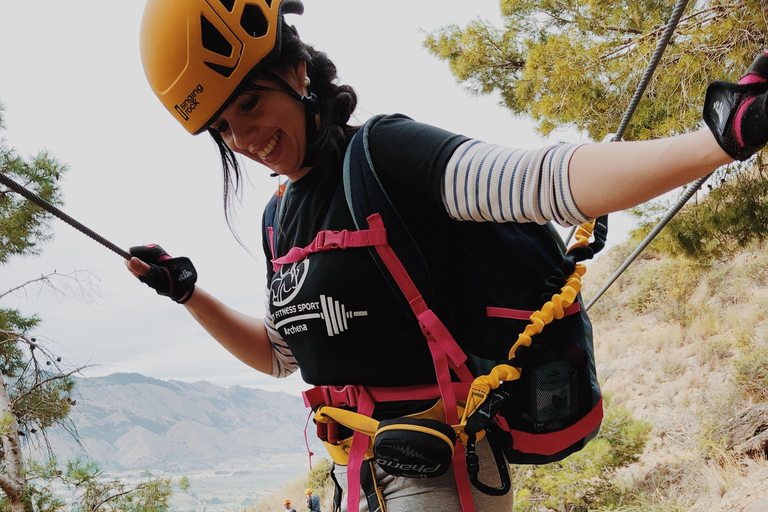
233 443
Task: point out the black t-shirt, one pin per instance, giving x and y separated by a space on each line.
334 309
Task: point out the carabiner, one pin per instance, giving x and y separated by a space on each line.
473 466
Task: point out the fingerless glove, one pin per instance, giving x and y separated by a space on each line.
736 113
171 277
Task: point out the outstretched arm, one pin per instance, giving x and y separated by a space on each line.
570 184
614 176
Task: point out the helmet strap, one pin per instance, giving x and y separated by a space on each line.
311 109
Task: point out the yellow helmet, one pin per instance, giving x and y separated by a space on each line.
196 52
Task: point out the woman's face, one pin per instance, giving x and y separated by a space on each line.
268 125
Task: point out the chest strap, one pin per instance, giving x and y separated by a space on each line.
328 240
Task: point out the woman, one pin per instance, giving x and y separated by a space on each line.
238 71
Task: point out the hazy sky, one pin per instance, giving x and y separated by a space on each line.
72 83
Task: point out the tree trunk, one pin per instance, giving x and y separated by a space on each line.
12 479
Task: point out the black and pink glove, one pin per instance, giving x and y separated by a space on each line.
171 277
737 113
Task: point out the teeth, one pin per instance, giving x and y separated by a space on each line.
270 147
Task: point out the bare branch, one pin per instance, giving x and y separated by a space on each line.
98 505
83 284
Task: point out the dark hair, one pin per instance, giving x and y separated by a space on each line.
335 104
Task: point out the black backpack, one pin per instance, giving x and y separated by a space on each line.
555 407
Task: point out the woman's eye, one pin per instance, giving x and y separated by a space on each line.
222 128
250 104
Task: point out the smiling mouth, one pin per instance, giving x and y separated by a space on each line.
270 146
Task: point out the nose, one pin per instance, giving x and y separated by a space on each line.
239 137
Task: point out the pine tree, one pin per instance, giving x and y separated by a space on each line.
573 63
34 391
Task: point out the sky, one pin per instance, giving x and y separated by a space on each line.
72 83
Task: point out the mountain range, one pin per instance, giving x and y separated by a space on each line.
127 421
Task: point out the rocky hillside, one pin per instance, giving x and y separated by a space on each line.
129 421
685 346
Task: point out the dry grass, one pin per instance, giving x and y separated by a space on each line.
667 341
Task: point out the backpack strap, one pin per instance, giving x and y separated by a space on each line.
365 196
406 272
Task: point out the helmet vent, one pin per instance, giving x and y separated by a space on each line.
224 71
253 21
213 40
228 4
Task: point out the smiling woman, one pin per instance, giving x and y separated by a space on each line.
265 123
264 94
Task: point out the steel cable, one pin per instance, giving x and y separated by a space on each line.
45 205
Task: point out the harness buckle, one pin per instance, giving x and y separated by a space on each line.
333 240
336 396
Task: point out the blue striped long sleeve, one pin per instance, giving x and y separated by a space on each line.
488 183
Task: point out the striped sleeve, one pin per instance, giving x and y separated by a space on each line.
283 362
488 183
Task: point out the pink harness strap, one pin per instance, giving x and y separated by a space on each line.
446 355
357 451
340 396
520 314
328 240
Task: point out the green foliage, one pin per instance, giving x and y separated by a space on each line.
584 481
319 478
664 288
40 393
24 225
727 220
750 372
12 323
578 63
95 492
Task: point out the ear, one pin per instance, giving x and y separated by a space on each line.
301 73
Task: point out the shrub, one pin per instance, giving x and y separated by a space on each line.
664 289
319 478
750 372
585 480
731 217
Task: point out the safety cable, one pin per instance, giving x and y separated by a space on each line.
655 231
45 205
661 46
669 30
